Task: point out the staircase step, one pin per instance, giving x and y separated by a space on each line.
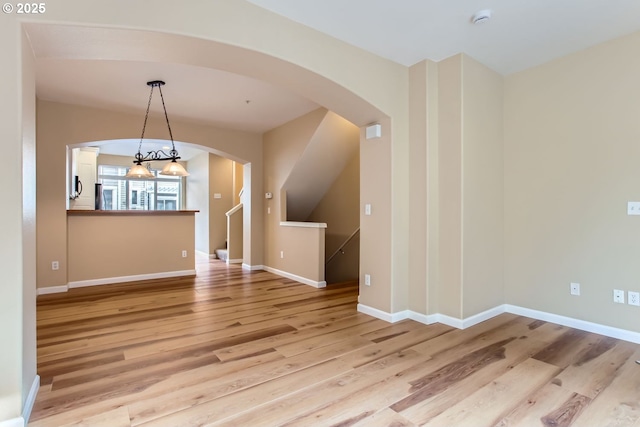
222 254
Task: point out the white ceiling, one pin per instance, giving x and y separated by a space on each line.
202 95
193 93
197 94
520 34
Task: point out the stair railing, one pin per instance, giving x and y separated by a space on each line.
340 250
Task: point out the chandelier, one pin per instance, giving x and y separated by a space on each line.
173 167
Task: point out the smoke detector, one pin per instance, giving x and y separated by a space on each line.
481 16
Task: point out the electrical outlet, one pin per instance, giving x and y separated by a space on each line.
367 280
55 265
633 298
633 208
184 254
281 254
618 296
575 288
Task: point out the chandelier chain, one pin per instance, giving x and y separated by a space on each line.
146 116
166 116
173 168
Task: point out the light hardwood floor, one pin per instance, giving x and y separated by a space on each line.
236 348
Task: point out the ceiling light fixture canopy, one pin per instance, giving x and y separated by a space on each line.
173 167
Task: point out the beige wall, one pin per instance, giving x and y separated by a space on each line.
424 188
483 189
303 252
17 254
28 357
424 210
282 147
375 229
238 182
210 175
234 234
62 124
51 190
198 199
457 188
340 210
220 182
11 248
450 180
571 165
119 245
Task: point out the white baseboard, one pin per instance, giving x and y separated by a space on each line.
466 322
28 407
596 328
252 267
297 278
206 255
583 325
383 315
234 261
481 317
423 318
135 278
31 399
52 290
448 320
113 280
14 422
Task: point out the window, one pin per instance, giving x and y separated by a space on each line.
122 193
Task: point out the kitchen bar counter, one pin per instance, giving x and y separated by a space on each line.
117 246
132 212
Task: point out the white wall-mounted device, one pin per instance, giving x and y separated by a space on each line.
373 131
268 196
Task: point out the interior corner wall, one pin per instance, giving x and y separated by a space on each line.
282 147
28 356
471 182
17 293
482 188
571 165
220 183
418 271
341 222
238 182
345 194
198 199
376 239
423 182
433 189
450 172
